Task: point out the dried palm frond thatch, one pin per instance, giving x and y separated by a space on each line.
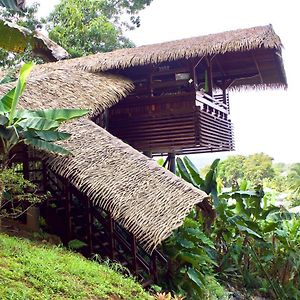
48 88
145 198
219 43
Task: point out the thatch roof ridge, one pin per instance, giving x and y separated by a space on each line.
218 43
145 198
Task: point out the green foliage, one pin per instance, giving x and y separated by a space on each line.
294 179
35 128
190 263
76 244
88 26
32 271
16 5
16 194
28 21
252 243
231 169
254 168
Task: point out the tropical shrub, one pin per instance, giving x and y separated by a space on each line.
251 244
16 194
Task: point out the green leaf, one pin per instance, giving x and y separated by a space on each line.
12 4
61 115
210 178
3 120
6 101
47 135
43 145
249 231
195 276
183 170
193 171
21 83
10 134
38 124
186 243
189 257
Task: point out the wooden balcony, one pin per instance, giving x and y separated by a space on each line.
186 123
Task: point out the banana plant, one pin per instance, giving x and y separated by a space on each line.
37 128
13 4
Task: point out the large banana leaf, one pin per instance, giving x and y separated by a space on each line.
21 83
47 146
38 124
47 135
16 38
60 114
13 4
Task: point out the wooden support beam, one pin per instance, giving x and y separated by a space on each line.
257 67
25 160
134 255
89 224
67 199
172 162
153 266
209 71
111 232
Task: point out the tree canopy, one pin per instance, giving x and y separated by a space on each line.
254 168
88 26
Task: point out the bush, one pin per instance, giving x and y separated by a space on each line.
16 194
250 244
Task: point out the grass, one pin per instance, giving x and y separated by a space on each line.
32 271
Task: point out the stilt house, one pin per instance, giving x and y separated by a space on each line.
163 99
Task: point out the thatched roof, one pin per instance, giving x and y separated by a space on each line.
236 50
146 199
47 88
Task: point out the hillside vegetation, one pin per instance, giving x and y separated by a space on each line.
33 271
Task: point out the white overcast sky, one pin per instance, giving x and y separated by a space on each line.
264 121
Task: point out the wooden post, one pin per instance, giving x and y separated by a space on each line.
111 229
33 219
153 267
67 199
25 159
88 217
172 162
134 255
210 76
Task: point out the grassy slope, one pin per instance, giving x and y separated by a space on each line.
31 271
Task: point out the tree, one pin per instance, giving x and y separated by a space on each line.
89 26
254 168
258 167
231 169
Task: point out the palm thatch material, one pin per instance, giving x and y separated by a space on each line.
146 199
219 43
72 89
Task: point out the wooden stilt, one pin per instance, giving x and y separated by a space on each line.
172 162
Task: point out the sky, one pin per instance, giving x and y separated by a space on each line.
264 121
